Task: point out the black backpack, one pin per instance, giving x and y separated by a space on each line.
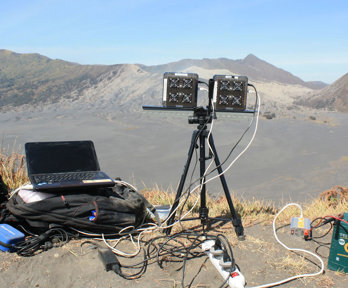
3 191
106 210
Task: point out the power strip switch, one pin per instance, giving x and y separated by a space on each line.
234 278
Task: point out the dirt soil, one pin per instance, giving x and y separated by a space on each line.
260 258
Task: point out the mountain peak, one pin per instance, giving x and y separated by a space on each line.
251 57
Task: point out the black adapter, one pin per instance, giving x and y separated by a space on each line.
109 260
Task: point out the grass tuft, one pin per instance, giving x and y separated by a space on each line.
13 169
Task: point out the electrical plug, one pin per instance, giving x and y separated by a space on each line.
234 277
48 245
226 262
206 245
216 250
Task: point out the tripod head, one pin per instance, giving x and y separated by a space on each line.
201 116
204 115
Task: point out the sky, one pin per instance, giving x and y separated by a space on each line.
308 38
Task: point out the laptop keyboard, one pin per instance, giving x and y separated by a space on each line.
68 177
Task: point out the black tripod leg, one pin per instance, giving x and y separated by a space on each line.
203 210
182 181
236 221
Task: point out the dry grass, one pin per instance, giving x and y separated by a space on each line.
249 210
12 168
291 263
13 173
316 208
158 196
252 212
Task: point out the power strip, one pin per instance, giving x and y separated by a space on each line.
235 278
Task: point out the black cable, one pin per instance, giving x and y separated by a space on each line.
137 274
177 248
187 191
242 136
142 265
227 246
227 249
52 237
238 141
182 252
322 222
184 264
177 252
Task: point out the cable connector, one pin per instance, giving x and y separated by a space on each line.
226 262
233 277
216 250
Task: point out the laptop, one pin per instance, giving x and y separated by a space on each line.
64 165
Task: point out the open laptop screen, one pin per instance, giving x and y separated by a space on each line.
57 157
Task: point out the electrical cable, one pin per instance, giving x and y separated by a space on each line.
332 218
244 150
202 179
250 142
182 252
45 241
257 110
245 131
161 252
27 186
137 274
126 184
292 249
189 190
203 182
185 261
322 222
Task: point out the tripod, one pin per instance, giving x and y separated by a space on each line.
202 117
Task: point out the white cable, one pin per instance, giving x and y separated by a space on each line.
247 147
149 229
292 249
210 148
238 156
101 237
126 184
244 150
137 245
198 186
188 212
183 216
26 186
119 252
